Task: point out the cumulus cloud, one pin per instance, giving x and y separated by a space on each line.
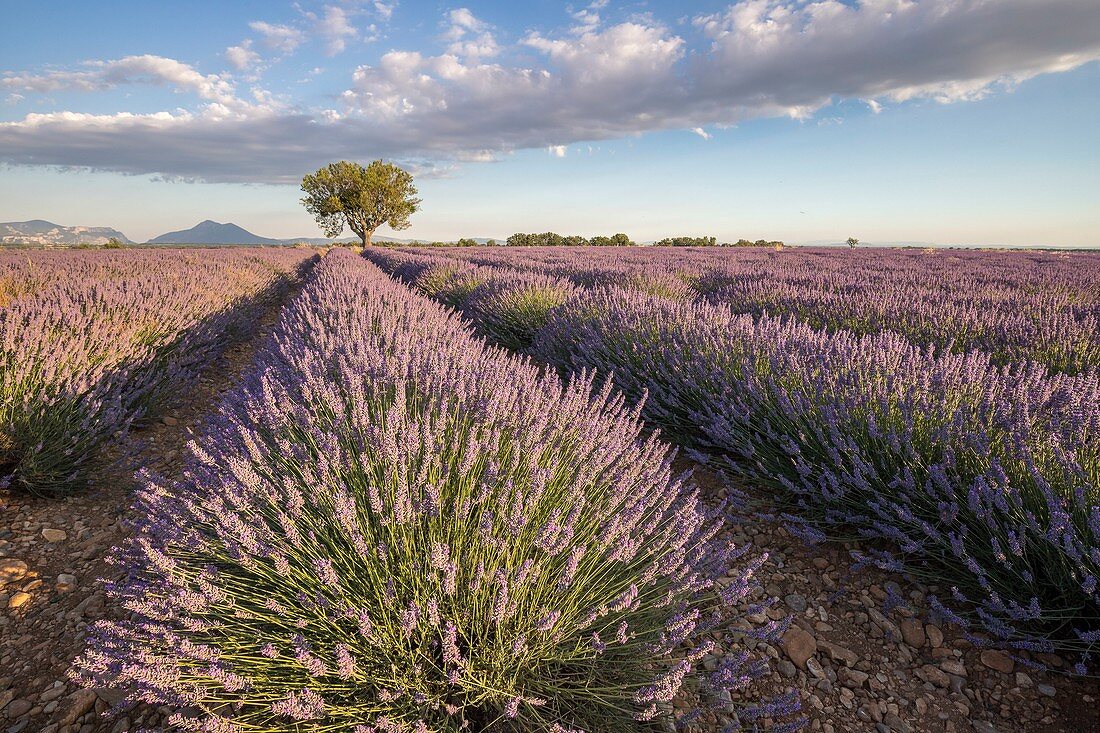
468 36
279 38
701 133
558 151
587 82
146 69
335 28
242 57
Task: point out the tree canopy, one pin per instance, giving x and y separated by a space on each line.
553 239
361 198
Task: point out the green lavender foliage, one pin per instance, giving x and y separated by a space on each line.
391 527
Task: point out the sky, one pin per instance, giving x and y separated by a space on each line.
946 121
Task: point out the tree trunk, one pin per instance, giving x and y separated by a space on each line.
367 234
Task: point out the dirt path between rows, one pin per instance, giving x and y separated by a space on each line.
54 551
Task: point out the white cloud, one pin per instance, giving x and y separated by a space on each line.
753 59
280 38
469 37
701 133
558 151
799 56
384 10
335 29
587 20
147 69
242 57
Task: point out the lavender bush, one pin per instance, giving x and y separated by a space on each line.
981 478
510 309
91 342
392 527
449 284
1015 306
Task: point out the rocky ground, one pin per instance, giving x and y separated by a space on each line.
857 667
53 551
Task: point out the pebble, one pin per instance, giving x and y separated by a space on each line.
53 693
54 535
953 666
11 570
839 654
1046 690
796 602
854 678
17 708
799 645
934 634
814 668
19 599
79 703
997 661
912 631
66 582
933 675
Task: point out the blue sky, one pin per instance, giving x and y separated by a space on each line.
949 121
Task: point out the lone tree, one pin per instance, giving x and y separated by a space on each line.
362 198
852 242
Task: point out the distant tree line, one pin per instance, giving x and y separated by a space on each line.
464 242
552 239
757 243
687 242
713 242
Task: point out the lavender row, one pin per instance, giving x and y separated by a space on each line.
391 527
1015 306
91 342
982 479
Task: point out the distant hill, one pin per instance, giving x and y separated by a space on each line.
40 232
44 233
212 232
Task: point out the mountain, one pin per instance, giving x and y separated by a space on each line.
212 232
42 232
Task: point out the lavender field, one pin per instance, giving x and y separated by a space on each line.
556 489
92 342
